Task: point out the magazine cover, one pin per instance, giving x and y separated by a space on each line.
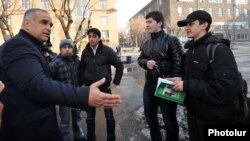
164 91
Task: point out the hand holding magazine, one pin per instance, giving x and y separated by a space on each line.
164 90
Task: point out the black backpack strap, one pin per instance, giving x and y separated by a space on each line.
211 51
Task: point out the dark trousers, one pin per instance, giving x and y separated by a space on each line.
197 126
168 110
65 114
110 122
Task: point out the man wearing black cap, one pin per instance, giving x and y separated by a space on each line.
160 57
209 86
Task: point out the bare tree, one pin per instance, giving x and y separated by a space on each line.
7 8
64 11
137 30
177 31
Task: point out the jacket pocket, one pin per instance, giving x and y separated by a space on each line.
200 70
36 116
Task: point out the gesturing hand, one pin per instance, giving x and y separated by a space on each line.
1 86
151 64
1 110
1 104
101 99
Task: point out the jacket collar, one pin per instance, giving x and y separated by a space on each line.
203 38
192 43
29 37
99 48
157 34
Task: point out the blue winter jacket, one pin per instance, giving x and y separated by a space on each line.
30 94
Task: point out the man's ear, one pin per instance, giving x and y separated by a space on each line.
160 23
205 25
26 24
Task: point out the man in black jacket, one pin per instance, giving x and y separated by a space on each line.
160 57
210 86
95 64
30 94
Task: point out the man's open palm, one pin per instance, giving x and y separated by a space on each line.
101 99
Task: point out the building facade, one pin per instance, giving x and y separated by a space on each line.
231 18
101 14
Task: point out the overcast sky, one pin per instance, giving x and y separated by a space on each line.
127 8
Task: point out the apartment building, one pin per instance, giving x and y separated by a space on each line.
103 16
231 18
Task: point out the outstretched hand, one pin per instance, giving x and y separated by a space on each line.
1 86
1 104
101 99
1 110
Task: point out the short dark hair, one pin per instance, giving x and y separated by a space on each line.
94 31
208 24
157 16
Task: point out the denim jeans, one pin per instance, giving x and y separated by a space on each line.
65 113
110 122
168 110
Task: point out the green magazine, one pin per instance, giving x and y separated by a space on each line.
164 91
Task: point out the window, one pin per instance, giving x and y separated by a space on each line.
104 20
9 21
220 12
160 2
149 9
103 4
229 1
245 12
105 34
78 11
80 7
241 2
26 4
179 11
229 12
44 4
6 3
242 36
237 12
190 10
186 0
210 11
215 1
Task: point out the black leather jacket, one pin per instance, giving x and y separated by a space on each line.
167 51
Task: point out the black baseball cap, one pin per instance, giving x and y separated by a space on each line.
196 15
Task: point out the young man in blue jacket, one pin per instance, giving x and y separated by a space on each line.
30 93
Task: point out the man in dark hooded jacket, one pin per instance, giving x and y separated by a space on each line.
210 86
